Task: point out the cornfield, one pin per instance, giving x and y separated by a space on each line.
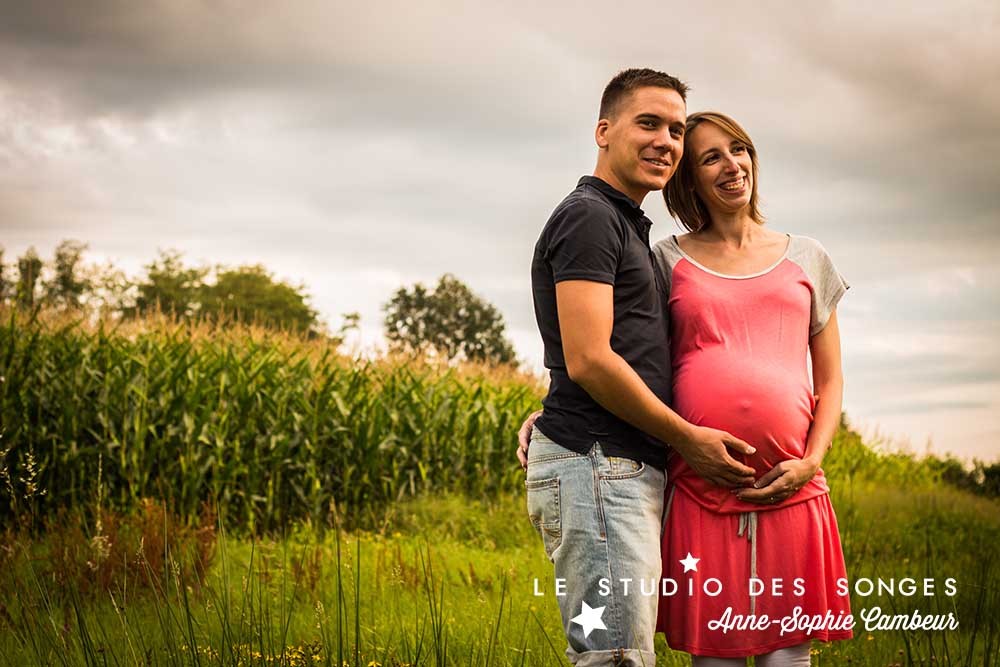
270 427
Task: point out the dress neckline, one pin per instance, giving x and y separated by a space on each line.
784 255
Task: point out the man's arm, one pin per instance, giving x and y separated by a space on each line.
586 318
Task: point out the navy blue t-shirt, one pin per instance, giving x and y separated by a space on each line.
597 233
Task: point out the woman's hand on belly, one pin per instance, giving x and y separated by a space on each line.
780 482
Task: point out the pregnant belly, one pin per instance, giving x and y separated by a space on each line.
766 405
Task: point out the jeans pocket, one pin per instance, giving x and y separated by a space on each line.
618 467
622 466
545 513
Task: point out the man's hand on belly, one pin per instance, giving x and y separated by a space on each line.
707 452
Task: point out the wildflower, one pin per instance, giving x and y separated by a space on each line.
4 472
30 482
101 546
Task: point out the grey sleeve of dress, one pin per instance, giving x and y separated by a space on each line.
828 286
666 253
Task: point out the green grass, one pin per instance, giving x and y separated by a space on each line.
449 581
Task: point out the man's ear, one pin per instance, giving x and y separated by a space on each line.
601 133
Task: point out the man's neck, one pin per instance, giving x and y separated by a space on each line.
609 177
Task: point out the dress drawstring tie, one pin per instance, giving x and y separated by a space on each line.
748 526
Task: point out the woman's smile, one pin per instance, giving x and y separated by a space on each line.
734 186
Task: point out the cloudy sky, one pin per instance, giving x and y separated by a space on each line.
357 147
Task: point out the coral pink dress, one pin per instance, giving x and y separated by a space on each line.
739 348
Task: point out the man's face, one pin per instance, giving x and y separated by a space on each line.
642 144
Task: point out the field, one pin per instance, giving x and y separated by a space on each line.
172 494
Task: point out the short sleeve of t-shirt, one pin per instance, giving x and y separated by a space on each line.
827 283
666 254
585 242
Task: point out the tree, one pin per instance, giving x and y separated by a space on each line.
29 268
67 286
991 479
169 286
251 294
110 291
451 320
349 322
247 293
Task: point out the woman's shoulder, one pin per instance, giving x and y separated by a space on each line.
666 254
806 249
666 247
668 240
810 255
827 285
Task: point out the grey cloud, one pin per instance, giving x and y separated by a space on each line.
967 294
914 97
411 66
927 371
866 104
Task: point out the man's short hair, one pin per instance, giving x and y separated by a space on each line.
628 80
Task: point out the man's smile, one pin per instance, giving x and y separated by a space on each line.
659 162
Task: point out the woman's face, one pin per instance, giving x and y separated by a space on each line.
722 168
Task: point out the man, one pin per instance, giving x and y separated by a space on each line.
595 479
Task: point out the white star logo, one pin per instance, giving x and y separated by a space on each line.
589 619
690 563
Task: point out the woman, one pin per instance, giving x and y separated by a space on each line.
746 305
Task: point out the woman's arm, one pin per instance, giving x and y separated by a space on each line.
784 479
828 383
524 438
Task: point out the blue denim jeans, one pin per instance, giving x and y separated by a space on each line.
600 518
